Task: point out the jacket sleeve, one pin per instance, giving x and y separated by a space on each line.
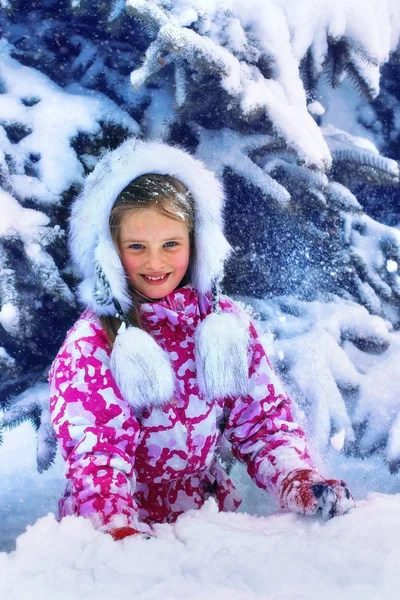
261 427
97 433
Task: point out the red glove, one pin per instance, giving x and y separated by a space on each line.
305 491
122 532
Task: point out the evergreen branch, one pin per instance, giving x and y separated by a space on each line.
266 64
9 300
373 281
46 443
27 406
360 81
368 275
180 84
299 181
10 388
179 44
341 198
116 10
367 296
309 75
362 52
385 169
336 61
44 267
33 405
153 16
7 363
228 149
359 157
252 94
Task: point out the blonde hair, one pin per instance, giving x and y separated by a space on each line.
160 192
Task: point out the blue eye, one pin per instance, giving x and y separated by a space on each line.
136 246
170 244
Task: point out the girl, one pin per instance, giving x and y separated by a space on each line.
160 366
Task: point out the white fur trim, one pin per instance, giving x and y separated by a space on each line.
222 343
89 229
141 369
107 257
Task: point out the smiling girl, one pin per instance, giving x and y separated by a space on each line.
161 367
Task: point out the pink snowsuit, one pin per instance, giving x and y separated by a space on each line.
137 469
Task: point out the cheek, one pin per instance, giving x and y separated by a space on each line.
181 262
130 263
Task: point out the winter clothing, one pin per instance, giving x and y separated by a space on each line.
141 369
125 468
140 424
306 492
123 532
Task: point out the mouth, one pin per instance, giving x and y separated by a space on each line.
156 279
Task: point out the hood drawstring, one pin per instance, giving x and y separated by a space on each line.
215 297
119 313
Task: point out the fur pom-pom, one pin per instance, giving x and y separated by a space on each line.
141 369
222 343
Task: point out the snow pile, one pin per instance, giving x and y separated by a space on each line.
207 554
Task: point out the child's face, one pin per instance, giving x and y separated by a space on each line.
154 251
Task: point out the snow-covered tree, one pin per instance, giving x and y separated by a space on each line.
258 90
42 164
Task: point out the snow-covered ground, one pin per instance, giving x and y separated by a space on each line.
206 554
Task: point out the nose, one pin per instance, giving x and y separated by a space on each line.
155 261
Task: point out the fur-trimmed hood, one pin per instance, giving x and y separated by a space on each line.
91 244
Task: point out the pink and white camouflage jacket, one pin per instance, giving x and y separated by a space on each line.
127 469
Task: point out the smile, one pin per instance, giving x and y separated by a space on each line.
155 279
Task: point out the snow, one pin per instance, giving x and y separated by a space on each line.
379 387
392 266
51 118
230 38
341 365
5 358
9 317
226 148
315 108
17 220
205 554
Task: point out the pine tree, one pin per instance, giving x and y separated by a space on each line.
244 94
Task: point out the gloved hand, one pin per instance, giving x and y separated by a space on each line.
122 532
305 491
